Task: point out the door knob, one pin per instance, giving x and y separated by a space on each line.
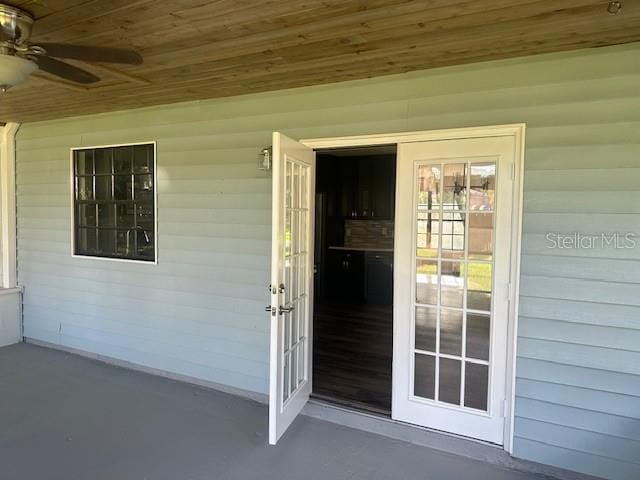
282 310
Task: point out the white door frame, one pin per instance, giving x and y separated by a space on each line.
517 131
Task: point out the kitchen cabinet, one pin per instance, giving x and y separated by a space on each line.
378 278
345 275
367 187
359 276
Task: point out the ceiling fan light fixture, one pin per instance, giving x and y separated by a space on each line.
14 71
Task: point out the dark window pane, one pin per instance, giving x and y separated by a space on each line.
425 376
122 246
103 187
145 243
143 155
87 215
84 162
86 240
476 385
449 385
426 328
103 158
107 242
125 214
85 188
122 187
122 160
145 216
451 332
478 328
143 188
106 215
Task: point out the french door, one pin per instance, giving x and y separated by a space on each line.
291 282
451 294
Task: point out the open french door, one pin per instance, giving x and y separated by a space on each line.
452 284
291 282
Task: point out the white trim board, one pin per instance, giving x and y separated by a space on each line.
517 131
8 203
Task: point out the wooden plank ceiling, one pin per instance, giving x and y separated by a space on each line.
195 49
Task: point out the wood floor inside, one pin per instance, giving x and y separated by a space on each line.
352 356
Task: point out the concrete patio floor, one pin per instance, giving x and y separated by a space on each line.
67 417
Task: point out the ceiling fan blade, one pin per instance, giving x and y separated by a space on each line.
91 54
63 70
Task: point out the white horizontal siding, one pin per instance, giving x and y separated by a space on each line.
199 312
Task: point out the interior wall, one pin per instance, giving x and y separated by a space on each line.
199 312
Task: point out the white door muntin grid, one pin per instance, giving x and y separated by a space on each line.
453 413
448 217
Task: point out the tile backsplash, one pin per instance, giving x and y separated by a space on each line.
368 233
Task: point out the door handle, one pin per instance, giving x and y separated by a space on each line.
282 309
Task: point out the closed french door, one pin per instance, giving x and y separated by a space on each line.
451 297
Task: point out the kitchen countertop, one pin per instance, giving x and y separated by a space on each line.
363 249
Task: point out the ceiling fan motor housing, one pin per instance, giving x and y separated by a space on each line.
15 26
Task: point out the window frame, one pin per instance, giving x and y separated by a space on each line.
73 203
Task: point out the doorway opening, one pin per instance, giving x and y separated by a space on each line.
353 281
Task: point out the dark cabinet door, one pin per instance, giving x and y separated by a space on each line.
345 275
366 187
382 180
378 279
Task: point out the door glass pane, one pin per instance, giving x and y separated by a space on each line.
453 230
427 282
428 237
293 318
476 385
452 289
455 186
293 369
287 232
454 269
479 286
480 236
426 320
287 185
304 172
429 187
302 231
451 332
287 380
295 192
449 381
301 362
103 187
424 376
478 328
483 186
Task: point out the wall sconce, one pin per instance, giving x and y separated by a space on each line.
264 159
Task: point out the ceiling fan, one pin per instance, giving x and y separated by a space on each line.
19 58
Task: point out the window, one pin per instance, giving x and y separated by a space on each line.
114 202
